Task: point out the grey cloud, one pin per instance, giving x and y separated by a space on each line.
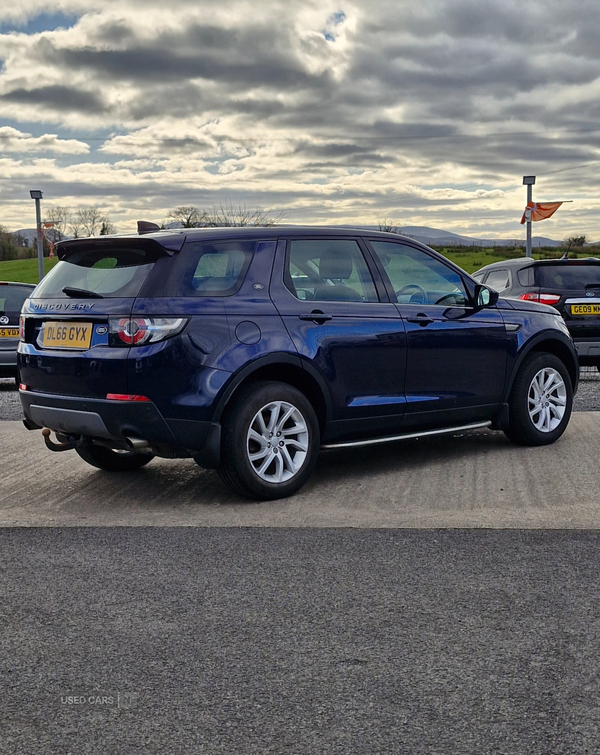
410 85
185 99
56 97
334 150
231 57
114 33
517 22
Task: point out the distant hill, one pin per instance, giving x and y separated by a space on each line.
421 233
28 234
440 237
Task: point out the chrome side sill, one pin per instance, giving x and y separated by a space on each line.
405 436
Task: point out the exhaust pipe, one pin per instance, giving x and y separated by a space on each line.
138 444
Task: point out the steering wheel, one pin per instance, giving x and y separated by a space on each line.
418 289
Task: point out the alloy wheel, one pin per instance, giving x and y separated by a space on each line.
547 399
277 442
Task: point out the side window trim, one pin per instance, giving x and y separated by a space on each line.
378 279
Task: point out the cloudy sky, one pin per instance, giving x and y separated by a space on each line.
332 111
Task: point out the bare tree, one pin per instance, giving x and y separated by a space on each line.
188 215
228 215
224 216
90 219
389 226
60 217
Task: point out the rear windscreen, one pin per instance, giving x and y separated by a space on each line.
568 277
12 298
108 272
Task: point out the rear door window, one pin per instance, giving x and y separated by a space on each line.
214 269
525 276
575 277
116 271
498 280
328 270
12 299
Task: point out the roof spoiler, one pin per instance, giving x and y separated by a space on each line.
170 241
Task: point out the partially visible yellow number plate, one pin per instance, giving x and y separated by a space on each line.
585 309
67 335
9 332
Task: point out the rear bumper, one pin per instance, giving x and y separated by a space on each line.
118 421
8 361
588 349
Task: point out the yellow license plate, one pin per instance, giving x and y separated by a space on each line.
585 309
9 332
67 335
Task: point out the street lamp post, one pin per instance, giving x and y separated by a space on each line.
37 195
528 181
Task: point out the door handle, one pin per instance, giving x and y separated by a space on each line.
420 319
316 316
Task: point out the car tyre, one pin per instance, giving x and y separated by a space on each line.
113 461
540 402
270 441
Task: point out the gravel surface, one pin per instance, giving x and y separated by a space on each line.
587 399
10 406
299 642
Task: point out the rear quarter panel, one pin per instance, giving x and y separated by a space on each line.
186 375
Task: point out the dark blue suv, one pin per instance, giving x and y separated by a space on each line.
249 349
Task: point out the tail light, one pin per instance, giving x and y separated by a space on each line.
126 397
136 331
550 299
22 327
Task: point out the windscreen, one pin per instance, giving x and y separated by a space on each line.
576 277
12 298
107 272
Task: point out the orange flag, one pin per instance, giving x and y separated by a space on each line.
540 211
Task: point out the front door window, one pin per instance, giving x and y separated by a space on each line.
418 278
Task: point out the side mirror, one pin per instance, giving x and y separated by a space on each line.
484 296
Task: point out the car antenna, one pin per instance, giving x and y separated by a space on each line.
144 226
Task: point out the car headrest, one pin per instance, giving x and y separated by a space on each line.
335 264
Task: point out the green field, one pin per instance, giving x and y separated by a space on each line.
470 259
23 271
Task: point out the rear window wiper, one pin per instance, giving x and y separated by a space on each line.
81 293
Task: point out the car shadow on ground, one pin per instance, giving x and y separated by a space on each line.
412 453
166 485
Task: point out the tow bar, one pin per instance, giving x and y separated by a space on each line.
68 446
